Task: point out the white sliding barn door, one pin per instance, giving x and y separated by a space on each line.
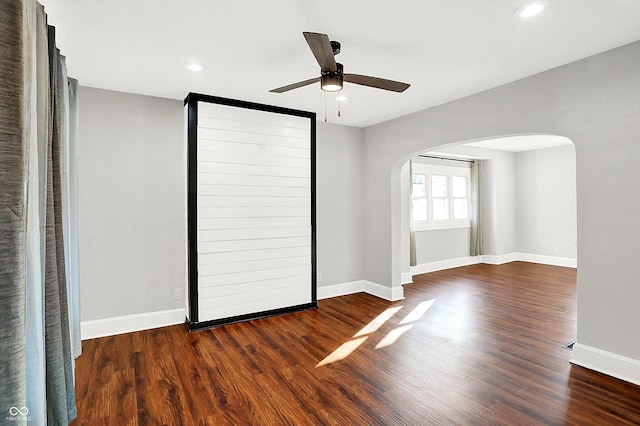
253 213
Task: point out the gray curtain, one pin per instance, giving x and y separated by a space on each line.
36 361
14 135
412 231
477 223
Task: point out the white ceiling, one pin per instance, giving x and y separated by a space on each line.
522 143
446 49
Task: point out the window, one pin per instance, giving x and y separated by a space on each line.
419 198
440 197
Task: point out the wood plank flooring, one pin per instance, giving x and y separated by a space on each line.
475 345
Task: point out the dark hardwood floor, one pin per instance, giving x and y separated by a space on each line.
474 345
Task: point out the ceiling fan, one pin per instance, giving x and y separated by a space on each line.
332 73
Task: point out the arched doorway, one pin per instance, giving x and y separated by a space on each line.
528 204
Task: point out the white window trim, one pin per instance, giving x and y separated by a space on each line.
428 170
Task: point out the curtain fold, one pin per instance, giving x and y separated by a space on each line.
412 231
72 205
38 207
476 217
36 199
14 132
60 396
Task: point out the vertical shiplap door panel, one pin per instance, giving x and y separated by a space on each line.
255 181
252 222
254 211
242 245
213 124
229 114
255 201
278 300
258 294
252 255
252 191
226 211
259 159
251 276
266 141
273 286
251 169
252 265
252 234
251 148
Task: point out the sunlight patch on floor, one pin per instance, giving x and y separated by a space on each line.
389 339
393 335
343 351
377 322
417 312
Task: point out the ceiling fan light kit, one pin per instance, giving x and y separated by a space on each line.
331 81
332 74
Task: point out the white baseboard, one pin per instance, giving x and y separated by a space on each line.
342 289
382 291
444 264
407 278
548 260
491 260
378 290
499 259
129 323
621 367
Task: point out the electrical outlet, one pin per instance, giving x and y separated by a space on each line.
319 277
177 294
556 251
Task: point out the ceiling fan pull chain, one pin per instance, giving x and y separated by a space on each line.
325 107
338 108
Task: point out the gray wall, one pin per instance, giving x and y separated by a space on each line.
546 202
594 102
340 209
441 244
499 195
131 203
132 193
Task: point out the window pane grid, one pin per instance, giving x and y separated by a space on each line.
419 190
440 198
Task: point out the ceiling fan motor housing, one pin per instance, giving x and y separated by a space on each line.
331 81
335 46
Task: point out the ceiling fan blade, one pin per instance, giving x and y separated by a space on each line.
321 48
295 85
378 83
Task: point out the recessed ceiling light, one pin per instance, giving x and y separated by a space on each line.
341 98
531 9
192 66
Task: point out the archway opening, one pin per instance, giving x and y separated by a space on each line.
528 202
